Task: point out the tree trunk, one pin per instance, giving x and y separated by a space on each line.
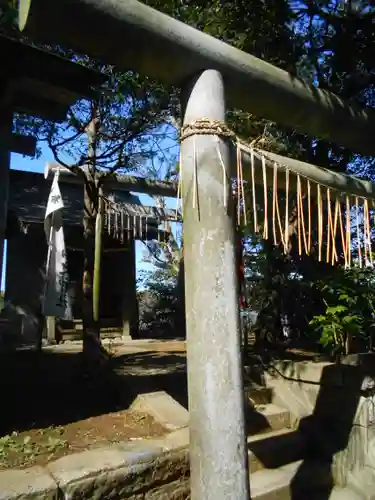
93 351
348 344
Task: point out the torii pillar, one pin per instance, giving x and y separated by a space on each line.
218 452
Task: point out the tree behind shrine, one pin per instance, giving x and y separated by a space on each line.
119 130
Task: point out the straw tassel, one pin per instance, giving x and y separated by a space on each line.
274 201
181 184
348 232
195 179
309 216
243 189
252 166
277 208
286 233
179 194
367 231
358 232
299 215
342 233
239 183
320 223
330 233
302 214
224 172
334 232
265 228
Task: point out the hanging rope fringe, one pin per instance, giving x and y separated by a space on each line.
313 214
124 227
253 190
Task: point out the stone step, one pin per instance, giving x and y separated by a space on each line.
258 394
73 335
299 480
275 449
267 417
342 494
361 483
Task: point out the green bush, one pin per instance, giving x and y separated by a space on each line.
348 320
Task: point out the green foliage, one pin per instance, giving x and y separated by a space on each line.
336 40
262 28
159 302
8 15
131 115
20 450
336 326
348 314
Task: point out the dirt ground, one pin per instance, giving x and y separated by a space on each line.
51 408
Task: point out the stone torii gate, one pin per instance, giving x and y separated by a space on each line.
212 75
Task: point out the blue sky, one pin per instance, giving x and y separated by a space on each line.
18 162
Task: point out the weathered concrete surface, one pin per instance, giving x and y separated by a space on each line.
159 470
273 484
81 466
362 482
165 410
275 449
119 472
177 439
141 470
344 494
277 418
333 405
34 483
216 402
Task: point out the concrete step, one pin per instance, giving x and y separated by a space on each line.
362 483
265 418
342 494
275 449
299 480
258 395
72 335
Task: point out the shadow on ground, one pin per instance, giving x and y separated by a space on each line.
50 388
155 371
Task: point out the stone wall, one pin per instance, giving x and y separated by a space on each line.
147 470
334 403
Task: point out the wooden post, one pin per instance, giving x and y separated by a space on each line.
51 329
5 131
98 257
130 306
218 451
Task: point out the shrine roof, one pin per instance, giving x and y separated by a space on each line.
44 84
29 191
